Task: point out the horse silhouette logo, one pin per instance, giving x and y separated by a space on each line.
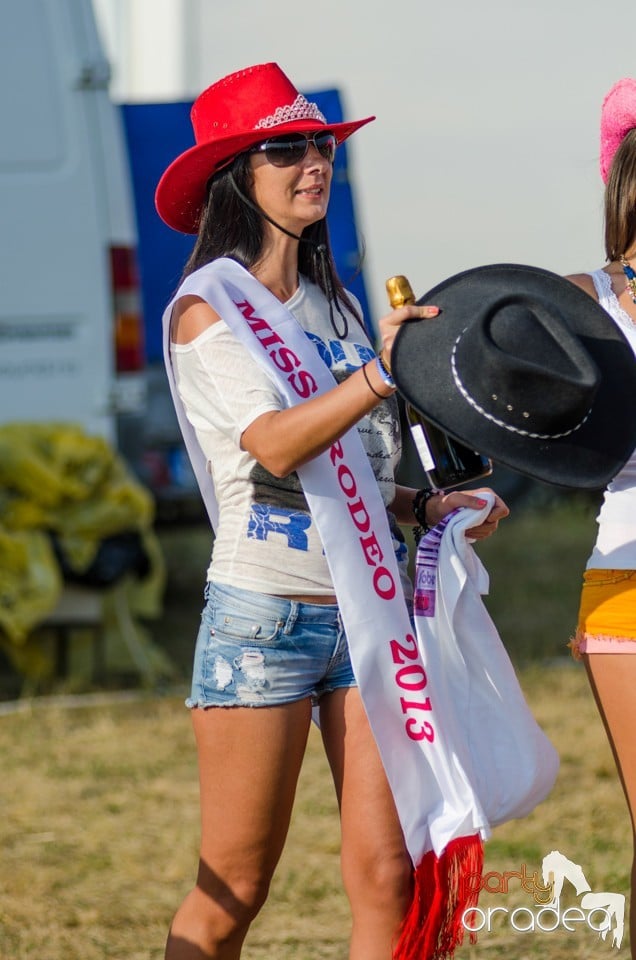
556 869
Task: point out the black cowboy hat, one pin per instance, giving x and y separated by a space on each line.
525 367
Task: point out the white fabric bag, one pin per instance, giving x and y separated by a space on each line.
503 751
499 763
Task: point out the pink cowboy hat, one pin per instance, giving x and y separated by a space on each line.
235 113
618 117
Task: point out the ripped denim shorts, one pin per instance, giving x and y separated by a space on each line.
258 650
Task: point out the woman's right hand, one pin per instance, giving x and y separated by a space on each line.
391 323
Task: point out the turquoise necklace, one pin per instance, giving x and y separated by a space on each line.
630 275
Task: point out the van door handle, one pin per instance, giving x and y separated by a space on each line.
94 76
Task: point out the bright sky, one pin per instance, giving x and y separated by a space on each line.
486 144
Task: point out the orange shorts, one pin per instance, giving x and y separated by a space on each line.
607 613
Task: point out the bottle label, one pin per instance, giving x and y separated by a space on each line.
421 444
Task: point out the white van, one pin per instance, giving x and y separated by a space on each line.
71 339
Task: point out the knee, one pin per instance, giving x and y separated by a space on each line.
383 881
233 905
213 915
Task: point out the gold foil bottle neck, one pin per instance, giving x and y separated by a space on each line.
399 291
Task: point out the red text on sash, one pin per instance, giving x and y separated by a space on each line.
301 381
410 677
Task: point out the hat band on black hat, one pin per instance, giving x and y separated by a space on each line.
497 421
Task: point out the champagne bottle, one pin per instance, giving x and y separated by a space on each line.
447 463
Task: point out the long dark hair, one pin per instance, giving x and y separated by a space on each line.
230 228
620 199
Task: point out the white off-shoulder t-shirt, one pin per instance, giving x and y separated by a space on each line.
266 539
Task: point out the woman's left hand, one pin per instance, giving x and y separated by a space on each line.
441 504
391 323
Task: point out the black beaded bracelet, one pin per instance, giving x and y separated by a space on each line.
420 500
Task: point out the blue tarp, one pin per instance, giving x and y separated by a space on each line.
155 134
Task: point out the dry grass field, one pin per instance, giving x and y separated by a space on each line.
99 826
99 806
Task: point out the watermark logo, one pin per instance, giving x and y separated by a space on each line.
602 912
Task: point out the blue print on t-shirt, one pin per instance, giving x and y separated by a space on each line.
333 353
401 552
265 519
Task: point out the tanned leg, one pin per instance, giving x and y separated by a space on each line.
613 680
249 761
376 867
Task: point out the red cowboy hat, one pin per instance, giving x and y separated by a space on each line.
233 114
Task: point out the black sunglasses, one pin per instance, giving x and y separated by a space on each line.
286 150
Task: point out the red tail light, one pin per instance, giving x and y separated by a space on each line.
128 320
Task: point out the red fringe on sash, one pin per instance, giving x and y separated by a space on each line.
444 887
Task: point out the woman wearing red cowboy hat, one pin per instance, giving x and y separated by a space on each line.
606 633
271 369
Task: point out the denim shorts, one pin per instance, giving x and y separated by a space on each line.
256 650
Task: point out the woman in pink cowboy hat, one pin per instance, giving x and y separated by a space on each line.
272 371
606 631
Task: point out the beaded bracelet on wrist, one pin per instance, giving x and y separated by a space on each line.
384 373
420 500
384 363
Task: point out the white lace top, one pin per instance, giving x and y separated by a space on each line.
615 545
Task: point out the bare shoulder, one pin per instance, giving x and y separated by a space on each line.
585 282
191 316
